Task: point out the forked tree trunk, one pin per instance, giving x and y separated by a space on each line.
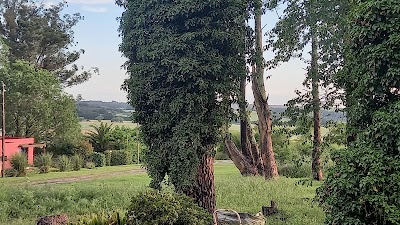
241 162
261 102
203 191
316 161
244 120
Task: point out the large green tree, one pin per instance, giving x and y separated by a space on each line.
363 186
36 106
319 25
185 62
43 36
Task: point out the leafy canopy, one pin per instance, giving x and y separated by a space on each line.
43 36
185 62
363 187
36 106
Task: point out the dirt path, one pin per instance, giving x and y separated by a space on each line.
87 177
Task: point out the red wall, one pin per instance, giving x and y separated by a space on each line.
12 147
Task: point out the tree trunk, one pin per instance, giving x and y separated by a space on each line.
316 161
241 162
244 122
203 191
261 102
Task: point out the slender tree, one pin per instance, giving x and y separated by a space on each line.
314 23
184 60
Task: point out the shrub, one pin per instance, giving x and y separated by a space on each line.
102 219
99 159
64 163
108 158
154 207
295 171
121 157
85 149
10 172
44 160
44 169
19 162
77 162
90 165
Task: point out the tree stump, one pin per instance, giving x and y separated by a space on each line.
269 210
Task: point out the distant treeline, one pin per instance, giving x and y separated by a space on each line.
92 110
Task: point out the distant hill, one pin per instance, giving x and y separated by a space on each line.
90 110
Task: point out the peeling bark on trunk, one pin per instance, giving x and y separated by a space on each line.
203 191
240 161
261 103
316 161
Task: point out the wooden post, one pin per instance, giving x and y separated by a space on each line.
3 128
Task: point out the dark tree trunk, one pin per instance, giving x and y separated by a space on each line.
261 102
316 161
245 167
203 191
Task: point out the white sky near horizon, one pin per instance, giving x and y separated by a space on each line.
98 35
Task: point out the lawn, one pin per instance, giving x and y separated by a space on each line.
22 201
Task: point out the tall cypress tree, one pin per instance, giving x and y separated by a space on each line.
185 58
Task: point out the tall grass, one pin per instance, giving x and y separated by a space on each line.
22 203
19 163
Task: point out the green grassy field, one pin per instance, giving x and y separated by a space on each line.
85 125
22 201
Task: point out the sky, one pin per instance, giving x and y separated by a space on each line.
97 34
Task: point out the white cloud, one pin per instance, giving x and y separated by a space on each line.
94 9
87 2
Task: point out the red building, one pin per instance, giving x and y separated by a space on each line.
15 145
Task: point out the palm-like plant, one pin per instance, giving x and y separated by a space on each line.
100 137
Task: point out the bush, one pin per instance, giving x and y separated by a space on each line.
90 165
85 149
10 172
19 163
295 171
44 169
64 163
77 162
44 162
102 219
154 207
99 159
108 158
121 157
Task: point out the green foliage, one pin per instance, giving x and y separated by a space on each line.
77 162
63 163
99 159
44 162
43 35
124 138
34 99
102 219
183 57
84 148
19 162
100 138
363 185
11 172
44 159
90 165
154 207
108 155
120 157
